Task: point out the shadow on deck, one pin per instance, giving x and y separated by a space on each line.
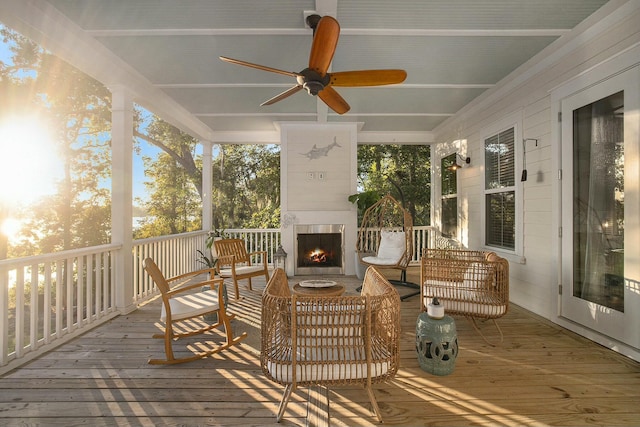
540 375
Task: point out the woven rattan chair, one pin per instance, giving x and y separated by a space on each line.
330 341
470 283
185 302
236 263
385 239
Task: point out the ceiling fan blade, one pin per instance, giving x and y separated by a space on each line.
334 100
367 78
324 44
259 67
283 95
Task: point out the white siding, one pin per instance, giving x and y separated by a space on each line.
534 278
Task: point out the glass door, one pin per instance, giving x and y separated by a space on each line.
599 205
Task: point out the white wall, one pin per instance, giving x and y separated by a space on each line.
526 93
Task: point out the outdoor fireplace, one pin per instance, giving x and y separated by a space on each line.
319 249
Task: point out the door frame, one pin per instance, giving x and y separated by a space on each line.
623 62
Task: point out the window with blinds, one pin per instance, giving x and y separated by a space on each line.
449 181
500 191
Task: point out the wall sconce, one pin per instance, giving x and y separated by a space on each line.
454 167
524 157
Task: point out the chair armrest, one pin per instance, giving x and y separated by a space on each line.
181 289
191 274
261 254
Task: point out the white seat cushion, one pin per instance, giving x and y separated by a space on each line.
392 248
455 298
337 364
490 307
186 306
241 269
475 278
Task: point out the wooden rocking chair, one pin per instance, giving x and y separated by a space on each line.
385 239
234 262
183 303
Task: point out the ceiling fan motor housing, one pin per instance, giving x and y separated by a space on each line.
312 82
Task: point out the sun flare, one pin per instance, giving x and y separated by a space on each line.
28 164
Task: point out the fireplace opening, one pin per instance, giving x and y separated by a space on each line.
319 249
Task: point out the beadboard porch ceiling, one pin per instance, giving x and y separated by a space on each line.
452 50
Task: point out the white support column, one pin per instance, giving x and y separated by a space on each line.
122 194
207 185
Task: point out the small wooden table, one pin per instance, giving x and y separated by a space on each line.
329 291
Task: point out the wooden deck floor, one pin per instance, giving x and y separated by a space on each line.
540 375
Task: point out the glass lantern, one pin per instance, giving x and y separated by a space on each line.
280 258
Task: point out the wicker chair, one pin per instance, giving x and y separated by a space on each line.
385 239
345 340
470 283
185 302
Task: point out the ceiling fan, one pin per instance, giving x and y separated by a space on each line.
316 80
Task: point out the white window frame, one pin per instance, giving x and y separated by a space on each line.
449 196
512 121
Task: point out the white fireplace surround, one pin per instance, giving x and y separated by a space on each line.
319 172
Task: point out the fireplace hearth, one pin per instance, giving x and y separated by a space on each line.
319 249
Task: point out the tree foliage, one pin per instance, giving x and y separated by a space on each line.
404 171
246 181
175 183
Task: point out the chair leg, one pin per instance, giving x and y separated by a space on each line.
475 326
374 403
168 341
224 320
237 289
283 403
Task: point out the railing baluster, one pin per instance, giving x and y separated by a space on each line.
46 305
33 318
19 313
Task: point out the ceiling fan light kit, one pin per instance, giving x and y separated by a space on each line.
315 79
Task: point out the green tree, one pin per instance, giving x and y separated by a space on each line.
175 143
404 171
246 181
175 201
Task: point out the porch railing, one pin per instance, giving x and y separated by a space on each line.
48 299
177 254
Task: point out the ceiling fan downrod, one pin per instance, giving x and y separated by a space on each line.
312 22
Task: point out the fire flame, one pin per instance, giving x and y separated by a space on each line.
318 256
